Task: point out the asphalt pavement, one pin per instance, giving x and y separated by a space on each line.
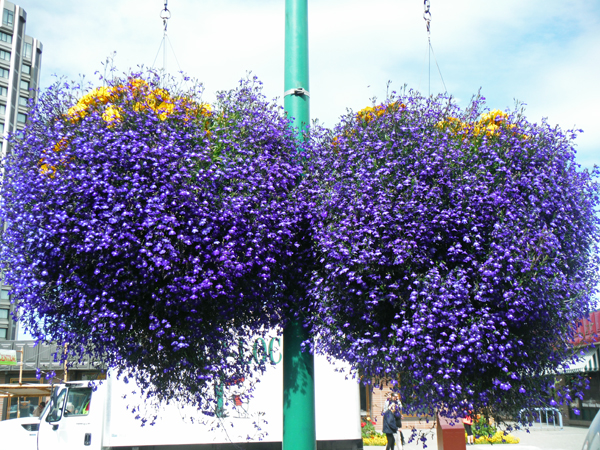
546 438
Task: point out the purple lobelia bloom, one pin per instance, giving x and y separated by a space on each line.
151 230
449 250
455 250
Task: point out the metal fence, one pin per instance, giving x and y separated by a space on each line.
551 415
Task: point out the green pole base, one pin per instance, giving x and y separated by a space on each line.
298 391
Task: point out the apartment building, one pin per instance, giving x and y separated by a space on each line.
20 64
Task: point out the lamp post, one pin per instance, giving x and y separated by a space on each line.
298 367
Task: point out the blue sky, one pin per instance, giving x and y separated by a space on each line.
543 53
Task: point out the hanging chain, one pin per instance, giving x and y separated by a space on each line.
427 17
165 15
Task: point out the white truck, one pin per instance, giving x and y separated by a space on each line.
83 418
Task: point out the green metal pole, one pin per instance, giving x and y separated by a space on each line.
296 62
298 391
298 368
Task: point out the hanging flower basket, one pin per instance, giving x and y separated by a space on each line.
456 250
147 227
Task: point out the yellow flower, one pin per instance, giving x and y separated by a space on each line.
498 438
205 109
139 106
104 95
61 145
47 169
371 112
111 113
76 112
165 110
137 86
156 98
97 97
494 116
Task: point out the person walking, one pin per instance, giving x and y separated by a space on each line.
468 422
398 415
389 426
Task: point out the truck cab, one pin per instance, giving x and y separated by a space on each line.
73 418
19 433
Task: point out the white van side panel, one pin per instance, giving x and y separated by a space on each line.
337 405
337 402
179 424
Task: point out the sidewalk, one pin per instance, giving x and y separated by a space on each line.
547 438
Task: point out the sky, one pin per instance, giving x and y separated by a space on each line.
545 54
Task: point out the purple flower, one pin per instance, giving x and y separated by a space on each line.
152 231
457 241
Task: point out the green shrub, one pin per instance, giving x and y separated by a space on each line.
482 427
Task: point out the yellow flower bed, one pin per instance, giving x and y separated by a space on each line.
498 438
375 440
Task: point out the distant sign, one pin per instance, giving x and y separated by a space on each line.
8 357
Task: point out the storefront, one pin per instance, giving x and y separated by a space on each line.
587 343
21 391
372 402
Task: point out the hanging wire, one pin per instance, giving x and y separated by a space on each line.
165 15
427 18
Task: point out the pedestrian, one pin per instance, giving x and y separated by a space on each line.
398 416
388 401
389 425
468 422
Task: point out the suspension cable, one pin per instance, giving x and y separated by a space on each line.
427 18
165 15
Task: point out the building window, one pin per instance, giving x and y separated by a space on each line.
24 85
3 72
3 313
21 118
23 101
3 333
27 49
4 55
5 37
26 69
8 18
2 109
1 128
3 91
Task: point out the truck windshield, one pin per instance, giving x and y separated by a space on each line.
72 401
